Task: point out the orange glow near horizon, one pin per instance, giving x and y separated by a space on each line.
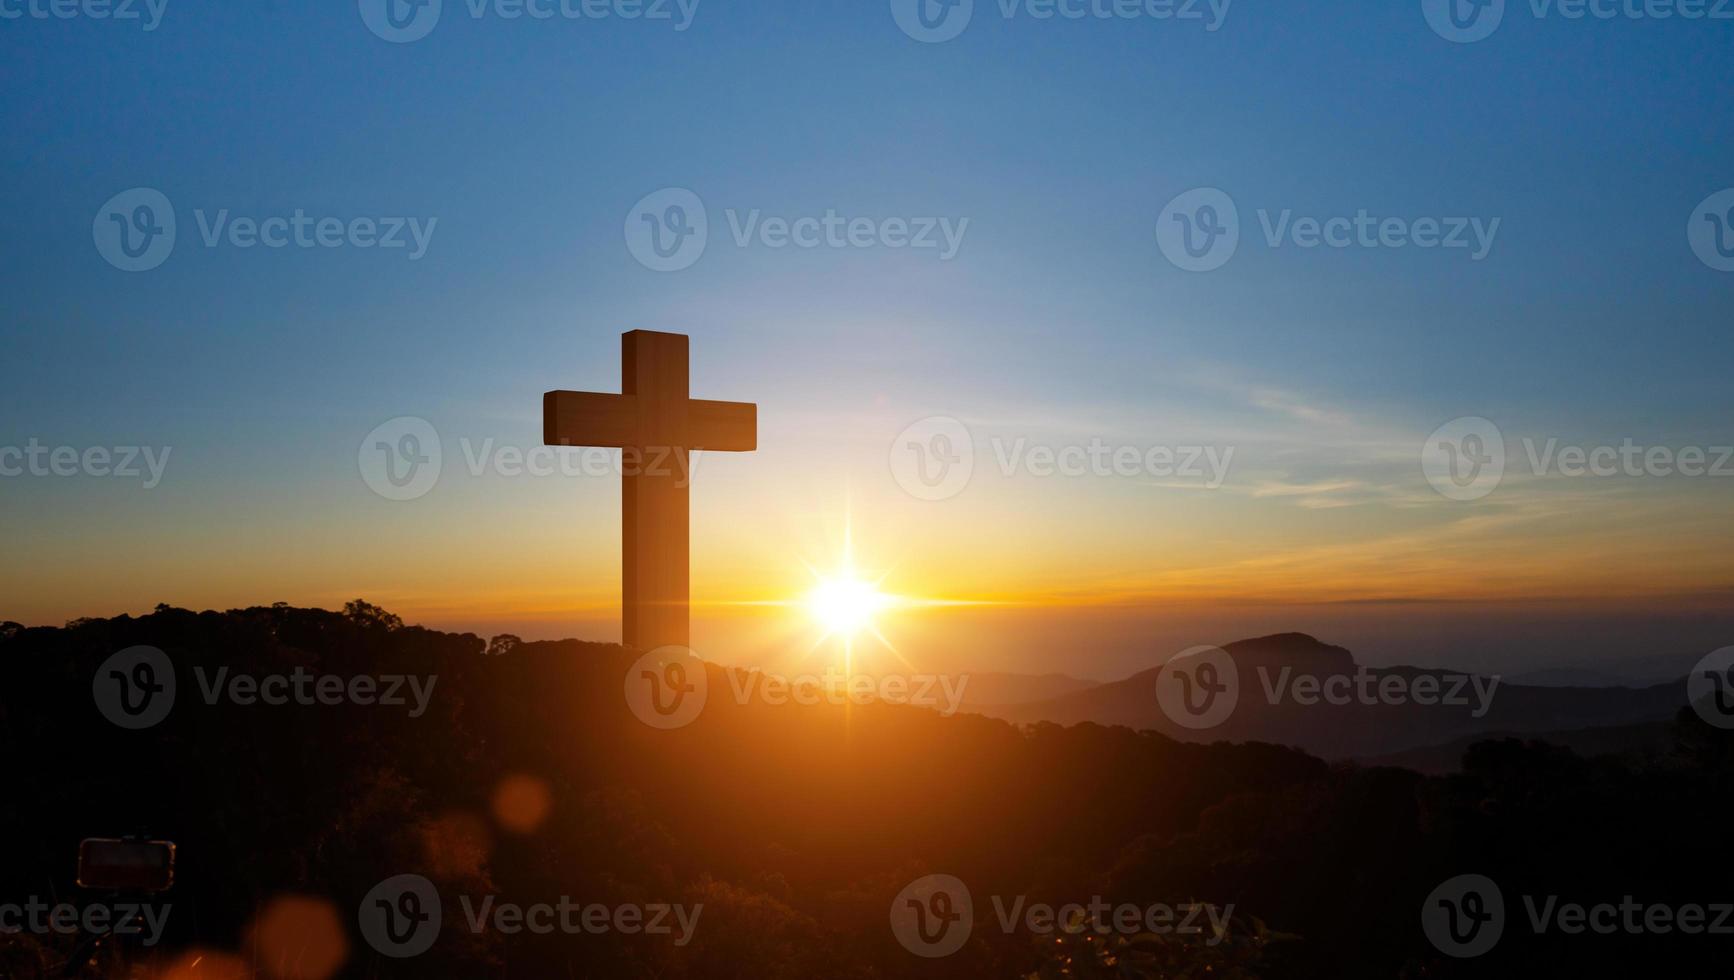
785 573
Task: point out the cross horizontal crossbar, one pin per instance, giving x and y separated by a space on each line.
588 418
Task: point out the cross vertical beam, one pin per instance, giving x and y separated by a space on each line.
656 510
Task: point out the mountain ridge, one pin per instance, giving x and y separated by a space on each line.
1469 704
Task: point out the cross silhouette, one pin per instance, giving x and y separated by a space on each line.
656 426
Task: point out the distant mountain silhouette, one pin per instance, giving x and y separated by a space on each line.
1358 729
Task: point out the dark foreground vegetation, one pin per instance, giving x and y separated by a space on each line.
793 826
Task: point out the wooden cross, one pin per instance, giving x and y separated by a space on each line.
656 426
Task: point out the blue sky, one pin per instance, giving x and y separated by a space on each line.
1060 141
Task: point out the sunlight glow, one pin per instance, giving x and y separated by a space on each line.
843 612
844 606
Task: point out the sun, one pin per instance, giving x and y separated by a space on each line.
847 608
845 611
844 605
